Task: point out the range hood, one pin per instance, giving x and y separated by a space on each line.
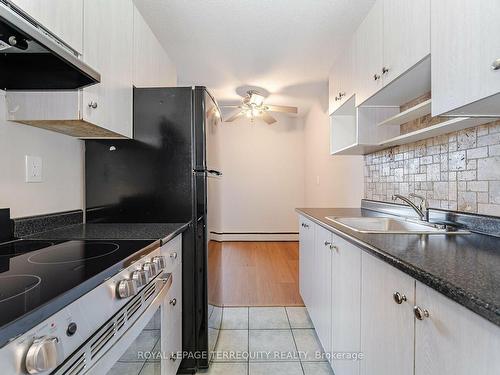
32 58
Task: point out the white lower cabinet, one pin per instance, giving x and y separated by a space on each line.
453 340
346 308
386 325
361 304
322 285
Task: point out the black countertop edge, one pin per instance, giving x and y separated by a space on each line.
457 294
115 231
14 329
26 226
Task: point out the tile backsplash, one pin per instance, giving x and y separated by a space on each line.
458 171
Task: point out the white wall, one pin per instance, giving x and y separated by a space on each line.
330 181
263 168
62 186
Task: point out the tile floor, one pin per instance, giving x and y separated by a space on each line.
266 340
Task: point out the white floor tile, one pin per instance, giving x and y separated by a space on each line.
232 346
317 368
226 369
272 345
308 345
275 368
268 318
299 317
235 318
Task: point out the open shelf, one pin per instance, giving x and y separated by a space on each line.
410 114
448 126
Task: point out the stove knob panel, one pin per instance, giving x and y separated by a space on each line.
141 277
150 269
160 262
126 288
44 354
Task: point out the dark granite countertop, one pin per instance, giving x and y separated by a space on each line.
120 231
465 268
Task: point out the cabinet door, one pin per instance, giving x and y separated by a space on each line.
322 273
64 18
340 83
453 340
108 48
386 327
334 88
369 53
464 45
406 35
306 256
346 304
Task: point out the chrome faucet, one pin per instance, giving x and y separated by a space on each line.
422 209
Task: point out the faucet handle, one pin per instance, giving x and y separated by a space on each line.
424 204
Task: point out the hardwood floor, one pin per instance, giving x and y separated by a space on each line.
253 274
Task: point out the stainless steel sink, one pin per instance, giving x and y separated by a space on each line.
391 225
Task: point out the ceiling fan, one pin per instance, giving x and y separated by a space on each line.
253 106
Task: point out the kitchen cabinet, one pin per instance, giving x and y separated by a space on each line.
387 320
453 340
64 18
394 37
406 36
152 66
340 81
322 284
306 257
369 57
465 54
108 48
346 305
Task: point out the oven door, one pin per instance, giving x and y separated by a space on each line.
130 342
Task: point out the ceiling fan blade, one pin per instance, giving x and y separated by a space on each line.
231 106
233 117
268 118
281 108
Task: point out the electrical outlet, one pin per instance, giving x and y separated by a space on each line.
33 168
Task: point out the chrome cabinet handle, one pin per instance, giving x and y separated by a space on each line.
304 225
337 98
341 94
333 247
173 357
376 77
420 313
399 298
327 243
496 65
173 301
93 105
173 255
385 70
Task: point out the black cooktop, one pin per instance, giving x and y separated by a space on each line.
39 277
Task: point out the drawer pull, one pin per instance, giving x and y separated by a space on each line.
399 298
173 301
496 65
420 313
93 105
173 255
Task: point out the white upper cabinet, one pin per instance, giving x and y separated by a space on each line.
108 48
465 49
64 18
369 53
152 66
452 340
406 35
340 82
394 37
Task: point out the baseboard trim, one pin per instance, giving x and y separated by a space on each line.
276 236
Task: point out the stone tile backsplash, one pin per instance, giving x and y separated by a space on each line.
458 171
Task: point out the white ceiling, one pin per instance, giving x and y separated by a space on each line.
284 46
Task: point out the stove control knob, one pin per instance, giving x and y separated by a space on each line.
126 288
150 269
160 262
44 354
140 277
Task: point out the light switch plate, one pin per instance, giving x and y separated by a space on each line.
33 168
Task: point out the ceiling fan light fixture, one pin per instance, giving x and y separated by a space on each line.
256 99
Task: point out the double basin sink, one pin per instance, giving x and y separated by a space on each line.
392 225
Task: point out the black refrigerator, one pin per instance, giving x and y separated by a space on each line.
161 176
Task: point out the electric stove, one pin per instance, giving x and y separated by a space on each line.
39 278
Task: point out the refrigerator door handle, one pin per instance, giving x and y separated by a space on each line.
214 172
